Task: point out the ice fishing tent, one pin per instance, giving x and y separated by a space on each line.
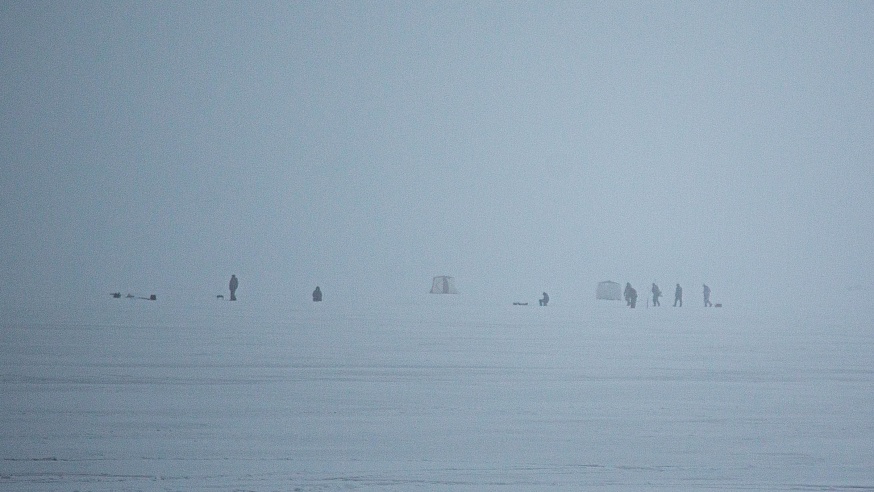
608 290
443 285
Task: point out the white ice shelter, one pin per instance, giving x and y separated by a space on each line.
608 290
443 285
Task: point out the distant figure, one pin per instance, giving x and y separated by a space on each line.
317 294
545 300
656 293
632 297
233 286
627 293
707 296
678 296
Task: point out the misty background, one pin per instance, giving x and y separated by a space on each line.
365 147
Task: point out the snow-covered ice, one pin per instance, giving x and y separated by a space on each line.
435 394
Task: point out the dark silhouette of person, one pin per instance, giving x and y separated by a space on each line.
678 296
627 293
707 296
656 293
317 294
632 297
232 285
545 300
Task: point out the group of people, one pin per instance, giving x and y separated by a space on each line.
234 283
631 295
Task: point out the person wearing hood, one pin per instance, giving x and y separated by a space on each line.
232 285
678 296
656 293
630 295
317 294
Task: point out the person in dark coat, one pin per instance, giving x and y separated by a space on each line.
627 293
656 293
545 300
707 296
678 296
232 285
632 297
317 295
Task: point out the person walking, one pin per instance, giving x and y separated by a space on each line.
707 296
678 296
656 293
232 285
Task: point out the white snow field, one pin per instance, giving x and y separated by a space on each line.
435 395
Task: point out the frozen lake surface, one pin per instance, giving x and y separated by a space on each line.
138 395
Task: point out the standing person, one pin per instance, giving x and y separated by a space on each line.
317 294
656 293
632 296
627 293
232 285
707 296
678 296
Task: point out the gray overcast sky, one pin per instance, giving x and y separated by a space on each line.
159 147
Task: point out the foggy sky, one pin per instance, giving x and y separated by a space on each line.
153 147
